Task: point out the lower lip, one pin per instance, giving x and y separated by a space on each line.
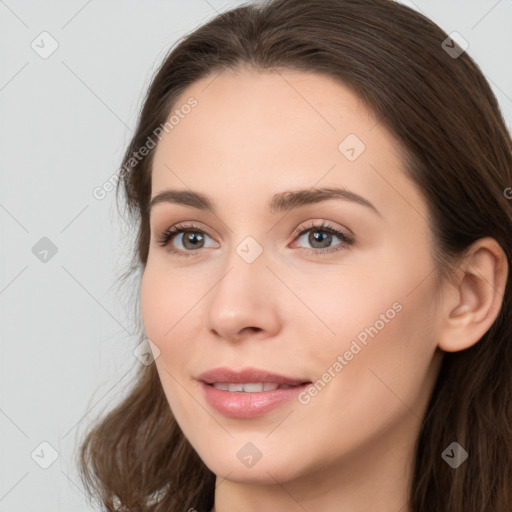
240 404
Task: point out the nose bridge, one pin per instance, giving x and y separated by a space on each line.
246 259
240 299
244 275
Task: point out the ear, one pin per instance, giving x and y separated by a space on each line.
475 297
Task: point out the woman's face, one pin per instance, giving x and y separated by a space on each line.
349 307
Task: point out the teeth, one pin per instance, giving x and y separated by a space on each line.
256 387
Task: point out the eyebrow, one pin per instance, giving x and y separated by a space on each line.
281 202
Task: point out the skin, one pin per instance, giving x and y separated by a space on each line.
292 310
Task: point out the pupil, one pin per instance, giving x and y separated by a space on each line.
192 237
318 236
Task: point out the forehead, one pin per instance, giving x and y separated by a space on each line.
256 133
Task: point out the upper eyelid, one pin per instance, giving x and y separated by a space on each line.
182 227
310 224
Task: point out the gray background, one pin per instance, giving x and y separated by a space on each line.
66 328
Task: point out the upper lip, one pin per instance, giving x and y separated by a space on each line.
246 375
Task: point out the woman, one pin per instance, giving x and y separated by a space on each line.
319 188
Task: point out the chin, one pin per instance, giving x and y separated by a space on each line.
264 471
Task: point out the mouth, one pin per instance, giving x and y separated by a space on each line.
253 387
248 393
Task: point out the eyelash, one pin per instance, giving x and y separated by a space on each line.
347 240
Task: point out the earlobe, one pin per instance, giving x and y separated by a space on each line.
476 296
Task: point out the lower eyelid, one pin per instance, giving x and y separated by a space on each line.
342 245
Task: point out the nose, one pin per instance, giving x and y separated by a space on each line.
244 302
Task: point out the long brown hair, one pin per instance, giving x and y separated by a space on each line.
458 152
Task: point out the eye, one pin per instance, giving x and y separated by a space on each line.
192 238
189 236
320 237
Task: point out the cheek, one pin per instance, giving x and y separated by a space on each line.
386 350
339 304
381 319
167 309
